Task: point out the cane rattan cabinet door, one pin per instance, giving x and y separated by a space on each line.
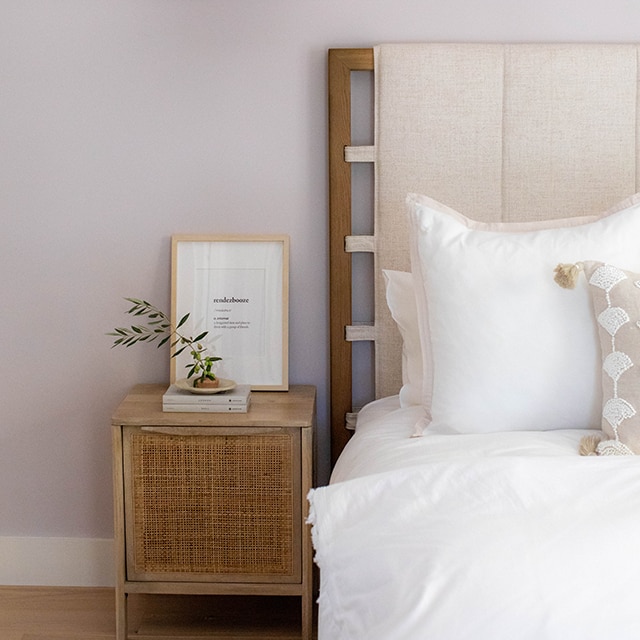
212 504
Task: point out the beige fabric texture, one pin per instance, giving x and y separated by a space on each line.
500 133
616 303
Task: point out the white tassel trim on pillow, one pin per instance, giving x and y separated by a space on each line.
613 448
566 275
596 445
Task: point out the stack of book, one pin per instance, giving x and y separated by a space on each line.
236 400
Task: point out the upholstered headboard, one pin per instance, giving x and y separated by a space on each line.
498 132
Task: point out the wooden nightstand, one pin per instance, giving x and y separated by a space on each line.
213 503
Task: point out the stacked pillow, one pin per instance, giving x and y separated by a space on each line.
401 301
502 348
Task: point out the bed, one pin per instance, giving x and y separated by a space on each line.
490 487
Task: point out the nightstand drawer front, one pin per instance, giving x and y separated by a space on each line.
221 507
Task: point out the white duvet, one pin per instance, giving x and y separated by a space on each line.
492 537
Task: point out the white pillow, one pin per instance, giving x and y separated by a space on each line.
401 300
507 350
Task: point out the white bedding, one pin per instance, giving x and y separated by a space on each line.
488 537
383 442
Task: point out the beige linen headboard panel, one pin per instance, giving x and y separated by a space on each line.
498 132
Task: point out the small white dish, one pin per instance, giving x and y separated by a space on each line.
187 385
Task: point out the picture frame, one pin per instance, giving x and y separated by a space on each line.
236 287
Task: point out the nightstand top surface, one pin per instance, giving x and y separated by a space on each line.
293 408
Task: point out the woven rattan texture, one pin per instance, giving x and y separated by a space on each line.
214 504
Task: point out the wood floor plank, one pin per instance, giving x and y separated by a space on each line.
57 611
66 636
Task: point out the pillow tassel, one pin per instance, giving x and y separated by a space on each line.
589 445
567 274
419 427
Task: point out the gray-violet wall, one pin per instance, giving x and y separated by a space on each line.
123 122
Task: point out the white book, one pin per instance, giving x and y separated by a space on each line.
204 408
238 395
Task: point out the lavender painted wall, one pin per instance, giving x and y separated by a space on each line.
125 121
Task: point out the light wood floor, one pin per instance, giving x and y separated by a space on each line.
61 613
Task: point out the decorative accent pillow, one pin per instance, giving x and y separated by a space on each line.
505 347
615 294
401 300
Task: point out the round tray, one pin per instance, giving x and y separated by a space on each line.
187 385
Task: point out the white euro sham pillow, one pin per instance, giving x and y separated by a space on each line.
401 300
507 351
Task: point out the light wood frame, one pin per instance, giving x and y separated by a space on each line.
275 379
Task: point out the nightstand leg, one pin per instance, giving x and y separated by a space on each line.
121 614
307 617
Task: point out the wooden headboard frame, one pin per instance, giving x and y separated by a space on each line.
341 63
500 132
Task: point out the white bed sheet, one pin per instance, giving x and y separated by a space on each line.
489 537
383 442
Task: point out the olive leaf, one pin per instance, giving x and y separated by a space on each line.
158 325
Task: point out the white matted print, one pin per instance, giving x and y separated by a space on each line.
237 289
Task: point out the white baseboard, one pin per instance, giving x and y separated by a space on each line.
58 562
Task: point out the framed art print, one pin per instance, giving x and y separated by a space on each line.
237 289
